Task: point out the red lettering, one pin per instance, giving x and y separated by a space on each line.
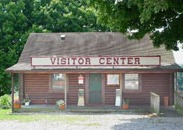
130 60
88 61
63 60
68 60
137 61
80 61
57 61
123 60
73 59
108 61
53 60
102 61
116 61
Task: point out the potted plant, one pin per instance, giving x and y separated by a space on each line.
26 101
61 104
17 104
125 105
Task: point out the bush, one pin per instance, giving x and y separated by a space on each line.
5 101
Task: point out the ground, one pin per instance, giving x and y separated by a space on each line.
127 120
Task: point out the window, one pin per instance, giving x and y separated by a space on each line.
113 79
131 82
58 81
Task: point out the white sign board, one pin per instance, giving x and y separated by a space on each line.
96 61
80 79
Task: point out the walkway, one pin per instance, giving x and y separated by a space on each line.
165 111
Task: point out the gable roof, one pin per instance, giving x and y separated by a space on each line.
89 43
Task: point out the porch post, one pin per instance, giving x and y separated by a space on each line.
121 86
175 88
21 97
12 90
65 91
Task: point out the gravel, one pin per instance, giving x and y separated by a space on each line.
114 121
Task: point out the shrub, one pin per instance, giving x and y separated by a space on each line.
5 101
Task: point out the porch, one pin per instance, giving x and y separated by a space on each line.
140 109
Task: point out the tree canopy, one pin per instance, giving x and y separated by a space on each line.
160 19
18 18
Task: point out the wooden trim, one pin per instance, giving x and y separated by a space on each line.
85 71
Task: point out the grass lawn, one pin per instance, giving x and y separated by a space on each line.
6 114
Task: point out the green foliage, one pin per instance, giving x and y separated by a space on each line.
179 109
180 80
21 17
5 101
161 19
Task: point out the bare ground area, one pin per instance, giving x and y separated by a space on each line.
168 120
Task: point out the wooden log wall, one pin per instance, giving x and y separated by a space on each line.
37 87
72 96
161 84
110 93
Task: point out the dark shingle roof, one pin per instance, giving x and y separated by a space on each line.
92 43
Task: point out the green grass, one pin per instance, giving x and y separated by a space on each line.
6 114
179 109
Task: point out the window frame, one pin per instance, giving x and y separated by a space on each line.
112 84
57 89
133 90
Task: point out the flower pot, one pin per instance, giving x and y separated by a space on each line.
165 101
125 106
27 103
62 107
17 106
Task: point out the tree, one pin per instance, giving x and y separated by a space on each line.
18 18
160 19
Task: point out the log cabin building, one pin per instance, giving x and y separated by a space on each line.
55 66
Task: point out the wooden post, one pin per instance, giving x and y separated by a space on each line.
65 91
175 89
86 88
21 97
121 87
12 90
